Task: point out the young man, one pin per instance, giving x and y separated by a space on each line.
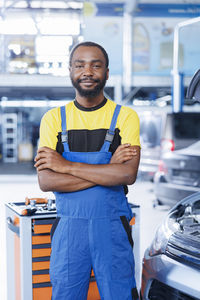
98 151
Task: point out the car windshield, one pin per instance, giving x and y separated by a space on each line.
187 126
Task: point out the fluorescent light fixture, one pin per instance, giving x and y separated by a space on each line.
60 4
75 5
33 103
14 103
48 4
55 103
62 25
56 46
56 4
20 4
18 25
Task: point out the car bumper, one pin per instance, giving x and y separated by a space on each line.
170 193
167 272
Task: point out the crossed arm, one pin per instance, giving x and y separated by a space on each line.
58 174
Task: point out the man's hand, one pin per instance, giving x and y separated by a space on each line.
123 153
48 158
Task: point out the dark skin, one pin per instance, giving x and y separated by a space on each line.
58 174
88 64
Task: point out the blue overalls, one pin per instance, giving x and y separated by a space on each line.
92 232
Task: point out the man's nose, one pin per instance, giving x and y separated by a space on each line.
88 70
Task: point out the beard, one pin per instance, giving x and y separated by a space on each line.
89 92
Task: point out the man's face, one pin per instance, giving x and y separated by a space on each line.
88 71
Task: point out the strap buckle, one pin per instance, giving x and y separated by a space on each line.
64 136
109 136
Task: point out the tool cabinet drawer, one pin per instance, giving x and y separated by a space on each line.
41 239
40 278
42 293
41 252
40 265
42 225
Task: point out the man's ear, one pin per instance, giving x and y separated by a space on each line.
107 73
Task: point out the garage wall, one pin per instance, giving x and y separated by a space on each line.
152 36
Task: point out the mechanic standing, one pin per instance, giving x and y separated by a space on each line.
89 151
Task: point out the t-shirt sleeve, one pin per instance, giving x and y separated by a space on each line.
49 128
129 127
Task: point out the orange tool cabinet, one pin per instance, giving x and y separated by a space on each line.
29 249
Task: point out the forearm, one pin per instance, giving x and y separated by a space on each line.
57 182
106 175
64 171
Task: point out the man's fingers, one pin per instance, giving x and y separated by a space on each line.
123 146
124 153
40 156
45 149
42 167
44 152
127 151
40 162
126 158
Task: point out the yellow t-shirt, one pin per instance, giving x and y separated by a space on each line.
90 122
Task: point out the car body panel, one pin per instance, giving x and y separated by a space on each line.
170 193
164 131
170 272
181 176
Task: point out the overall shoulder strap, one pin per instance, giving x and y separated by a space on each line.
114 118
63 118
64 133
111 131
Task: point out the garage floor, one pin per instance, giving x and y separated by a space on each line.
16 187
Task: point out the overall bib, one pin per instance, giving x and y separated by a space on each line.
92 231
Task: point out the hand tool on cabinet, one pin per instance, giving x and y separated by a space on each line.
37 204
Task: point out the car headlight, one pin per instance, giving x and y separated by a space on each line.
181 222
163 233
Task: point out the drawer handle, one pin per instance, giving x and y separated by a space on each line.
12 226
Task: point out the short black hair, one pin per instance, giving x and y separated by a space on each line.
89 44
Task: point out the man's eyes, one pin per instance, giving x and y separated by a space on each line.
79 66
96 66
